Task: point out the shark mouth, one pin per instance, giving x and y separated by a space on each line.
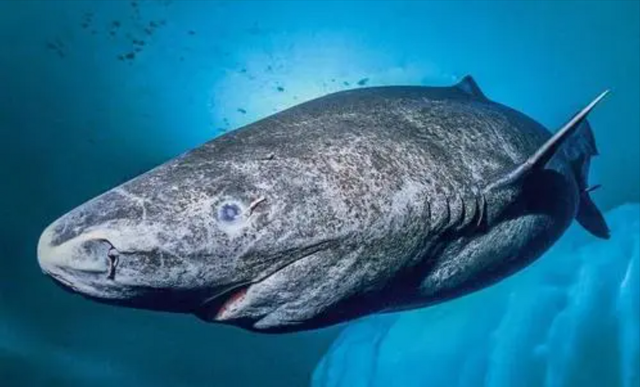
214 307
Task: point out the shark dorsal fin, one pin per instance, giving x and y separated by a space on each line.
542 156
469 86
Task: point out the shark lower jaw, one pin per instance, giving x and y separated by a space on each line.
229 305
135 297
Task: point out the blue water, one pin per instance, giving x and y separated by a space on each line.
81 111
571 319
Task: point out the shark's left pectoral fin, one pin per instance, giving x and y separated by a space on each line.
542 156
578 136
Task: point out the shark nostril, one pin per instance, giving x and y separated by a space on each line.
114 256
93 256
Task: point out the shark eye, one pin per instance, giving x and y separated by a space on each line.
229 212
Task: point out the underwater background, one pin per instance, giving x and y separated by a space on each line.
93 93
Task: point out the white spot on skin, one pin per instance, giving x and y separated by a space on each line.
407 197
136 199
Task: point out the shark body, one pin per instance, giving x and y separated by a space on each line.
365 201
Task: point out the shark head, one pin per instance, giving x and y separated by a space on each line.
236 238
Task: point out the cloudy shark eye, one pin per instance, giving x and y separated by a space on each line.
229 212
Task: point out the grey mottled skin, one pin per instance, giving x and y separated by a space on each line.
363 201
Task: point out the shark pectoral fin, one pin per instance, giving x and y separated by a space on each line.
541 157
590 217
580 148
580 153
469 86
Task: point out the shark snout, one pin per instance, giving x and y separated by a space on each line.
71 260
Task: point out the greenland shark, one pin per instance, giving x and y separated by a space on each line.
364 201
